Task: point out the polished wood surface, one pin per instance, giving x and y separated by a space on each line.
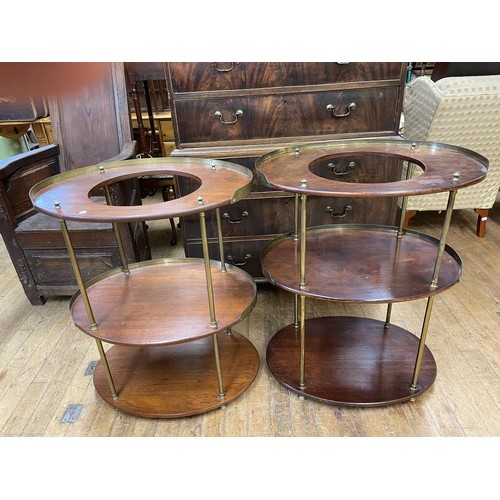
201 76
445 168
219 183
164 302
350 361
281 104
178 381
287 115
45 360
352 263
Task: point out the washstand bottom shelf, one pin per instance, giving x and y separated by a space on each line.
177 380
350 361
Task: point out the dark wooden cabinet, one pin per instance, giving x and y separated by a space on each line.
240 111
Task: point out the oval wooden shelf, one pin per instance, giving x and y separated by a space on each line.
221 183
163 301
359 263
179 380
350 361
445 168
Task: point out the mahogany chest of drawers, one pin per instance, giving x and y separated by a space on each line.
239 111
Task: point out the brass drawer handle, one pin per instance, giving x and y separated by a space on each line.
230 259
331 108
223 70
235 221
238 113
350 166
347 209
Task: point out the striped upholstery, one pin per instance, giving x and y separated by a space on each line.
462 111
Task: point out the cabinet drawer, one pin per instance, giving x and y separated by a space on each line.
246 218
244 254
355 111
231 119
205 76
278 74
324 210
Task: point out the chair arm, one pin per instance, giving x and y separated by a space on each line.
128 151
10 165
420 104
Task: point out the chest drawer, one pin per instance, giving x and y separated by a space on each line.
249 217
244 254
204 76
231 119
354 111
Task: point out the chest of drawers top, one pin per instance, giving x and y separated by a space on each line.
242 105
238 76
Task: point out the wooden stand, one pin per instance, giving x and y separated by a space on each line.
170 320
360 361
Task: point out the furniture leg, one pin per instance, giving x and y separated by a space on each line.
482 218
408 215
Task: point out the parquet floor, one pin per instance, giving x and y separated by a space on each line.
46 389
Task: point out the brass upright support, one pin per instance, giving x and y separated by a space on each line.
78 274
302 381
442 241
208 272
388 315
303 233
222 392
107 371
221 242
118 236
296 238
404 204
296 217
421 344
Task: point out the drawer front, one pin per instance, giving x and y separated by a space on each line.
358 168
231 119
279 74
356 111
53 267
324 210
204 76
246 218
200 76
244 254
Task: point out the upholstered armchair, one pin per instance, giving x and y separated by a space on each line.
462 111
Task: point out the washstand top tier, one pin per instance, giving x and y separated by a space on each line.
445 168
68 195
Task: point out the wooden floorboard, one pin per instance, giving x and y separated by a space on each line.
44 359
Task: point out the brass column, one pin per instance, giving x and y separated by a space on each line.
296 238
433 286
211 301
303 234
86 302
